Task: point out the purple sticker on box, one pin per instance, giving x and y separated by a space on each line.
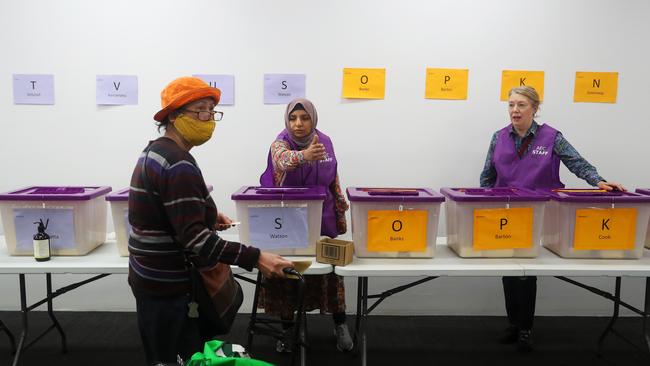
60 226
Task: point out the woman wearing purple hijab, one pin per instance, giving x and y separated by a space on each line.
301 155
526 154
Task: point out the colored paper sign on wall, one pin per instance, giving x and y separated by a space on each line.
503 228
605 229
283 88
116 90
595 87
33 88
364 83
60 227
446 84
225 83
278 227
397 231
515 78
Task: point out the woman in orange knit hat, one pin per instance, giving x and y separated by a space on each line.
173 218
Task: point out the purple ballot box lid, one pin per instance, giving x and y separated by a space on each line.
594 196
393 195
123 194
644 191
52 193
253 193
500 194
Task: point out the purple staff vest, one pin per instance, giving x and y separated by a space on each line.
321 173
539 167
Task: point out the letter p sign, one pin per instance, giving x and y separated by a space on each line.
503 222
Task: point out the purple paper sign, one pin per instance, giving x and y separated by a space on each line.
33 89
60 226
225 83
117 90
283 88
278 227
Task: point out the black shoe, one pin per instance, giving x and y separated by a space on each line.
509 335
525 341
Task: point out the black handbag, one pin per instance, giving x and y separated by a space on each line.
215 295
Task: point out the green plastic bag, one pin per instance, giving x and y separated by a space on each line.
219 353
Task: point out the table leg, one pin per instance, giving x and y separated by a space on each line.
12 340
646 310
23 314
357 321
364 311
50 312
610 325
298 345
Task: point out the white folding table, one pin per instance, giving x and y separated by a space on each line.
101 262
447 263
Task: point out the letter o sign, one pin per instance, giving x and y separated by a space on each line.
397 225
364 79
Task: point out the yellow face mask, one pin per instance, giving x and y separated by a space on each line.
194 131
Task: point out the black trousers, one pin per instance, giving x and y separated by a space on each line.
166 330
520 294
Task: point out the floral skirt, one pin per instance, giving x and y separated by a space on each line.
322 292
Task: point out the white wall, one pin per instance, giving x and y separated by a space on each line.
404 140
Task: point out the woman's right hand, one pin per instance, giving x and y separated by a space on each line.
314 151
611 186
271 265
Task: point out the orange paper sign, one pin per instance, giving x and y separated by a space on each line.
397 231
503 228
605 229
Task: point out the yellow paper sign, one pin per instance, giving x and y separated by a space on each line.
364 83
397 231
605 229
515 78
596 87
503 228
446 84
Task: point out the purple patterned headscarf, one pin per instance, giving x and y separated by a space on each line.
307 106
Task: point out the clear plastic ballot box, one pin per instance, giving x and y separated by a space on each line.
75 217
282 220
645 191
394 222
593 223
494 222
119 202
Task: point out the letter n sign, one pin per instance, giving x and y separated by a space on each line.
595 87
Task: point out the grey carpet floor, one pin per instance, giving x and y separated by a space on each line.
111 338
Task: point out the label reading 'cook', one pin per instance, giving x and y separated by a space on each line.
397 231
605 229
503 228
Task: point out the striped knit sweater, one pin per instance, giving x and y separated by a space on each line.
156 265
